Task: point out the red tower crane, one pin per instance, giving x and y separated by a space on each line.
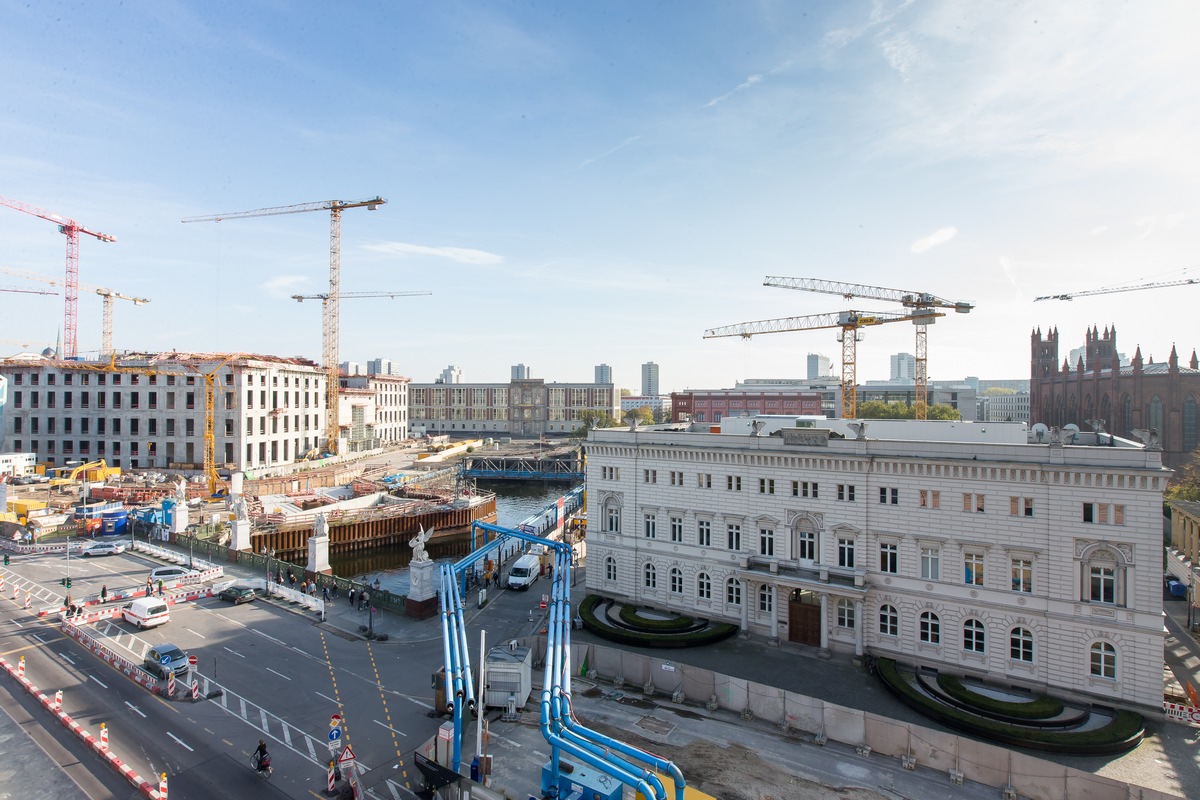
71 229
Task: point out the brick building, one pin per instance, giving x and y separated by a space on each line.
1144 395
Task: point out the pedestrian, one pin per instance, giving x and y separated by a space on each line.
366 600
325 594
149 586
292 579
104 593
352 596
160 587
312 588
333 591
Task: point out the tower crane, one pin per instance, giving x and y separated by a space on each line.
19 290
920 306
108 294
332 318
71 229
1138 288
848 321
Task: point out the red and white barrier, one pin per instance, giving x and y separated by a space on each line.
28 600
332 781
195 690
58 700
171 685
21 668
162 787
103 738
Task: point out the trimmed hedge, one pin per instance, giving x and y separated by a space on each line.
1035 708
1121 735
630 616
715 632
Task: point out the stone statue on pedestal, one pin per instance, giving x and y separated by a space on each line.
417 543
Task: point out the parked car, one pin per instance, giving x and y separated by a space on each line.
164 660
103 549
237 594
169 573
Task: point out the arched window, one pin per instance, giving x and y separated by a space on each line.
1154 417
1020 645
1103 660
766 599
733 592
889 621
650 576
930 629
974 638
1126 415
703 586
676 581
610 569
845 613
1190 433
1103 577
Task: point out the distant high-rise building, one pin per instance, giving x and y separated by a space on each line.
818 366
353 368
520 372
451 374
649 379
603 373
381 366
904 367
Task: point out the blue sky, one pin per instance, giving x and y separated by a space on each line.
585 183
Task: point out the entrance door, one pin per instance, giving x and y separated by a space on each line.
804 618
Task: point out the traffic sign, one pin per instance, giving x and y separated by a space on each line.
335 720
347 755
193 660
164 660
335 734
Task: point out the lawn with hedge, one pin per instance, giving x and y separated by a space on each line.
673 632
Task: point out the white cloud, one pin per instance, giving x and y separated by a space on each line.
463 255
741 87
940 236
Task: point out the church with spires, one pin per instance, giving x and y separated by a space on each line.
1142 395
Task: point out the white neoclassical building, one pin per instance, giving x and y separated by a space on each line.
958 546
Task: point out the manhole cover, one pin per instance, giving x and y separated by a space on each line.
655 725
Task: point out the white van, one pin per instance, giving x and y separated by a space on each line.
524 572
146 612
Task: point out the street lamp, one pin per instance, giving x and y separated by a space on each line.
268 555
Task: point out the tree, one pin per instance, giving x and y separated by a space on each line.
626 393
644 415
593 418
877 409
1186 483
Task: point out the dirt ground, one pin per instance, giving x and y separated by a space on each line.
736 772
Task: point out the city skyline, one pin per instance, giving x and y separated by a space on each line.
601 184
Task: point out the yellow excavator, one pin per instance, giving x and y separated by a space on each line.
93 471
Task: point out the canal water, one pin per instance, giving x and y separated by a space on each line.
515 501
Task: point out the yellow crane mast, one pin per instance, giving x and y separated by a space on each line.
849 323
332 322
920 306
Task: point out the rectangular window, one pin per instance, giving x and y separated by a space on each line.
733 483
889 557
973 569
766 486
931 563
889 495
846 553
676 529
845 491
649 522
614 520
806 543
973 502
766 542
676 478
1022 575
704 533
650 476
733 537
929 498
1102 584
704 480
804 489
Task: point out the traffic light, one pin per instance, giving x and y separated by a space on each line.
6 559
68 583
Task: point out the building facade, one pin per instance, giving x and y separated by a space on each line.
519 408
649 379
375 407
659 406
603 373
1004 407
520 372
1032 565
1145 396
904 367
818 367
710 406
150 411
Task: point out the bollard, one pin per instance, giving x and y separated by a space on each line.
28 600
195 690
58 700
1 583
103 738
171 685
162 787
16 591
21 667
332 779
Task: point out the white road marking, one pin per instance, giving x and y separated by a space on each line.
14 622
235 652
312 752
135 709
263 714
97 680
298 650
280 674
272 638
287 734
201 635
389 727
40 639
66 658
330 699
180 742
416 701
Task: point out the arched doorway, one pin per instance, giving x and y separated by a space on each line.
804 617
